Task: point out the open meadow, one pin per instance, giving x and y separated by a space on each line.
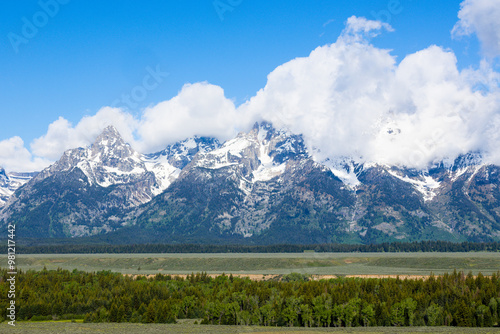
339 264
190 328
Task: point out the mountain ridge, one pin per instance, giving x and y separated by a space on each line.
263 186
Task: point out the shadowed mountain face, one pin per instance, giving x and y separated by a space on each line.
263 186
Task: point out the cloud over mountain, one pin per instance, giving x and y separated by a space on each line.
62 135
351 98
199 109
348 98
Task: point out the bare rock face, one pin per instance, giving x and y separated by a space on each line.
264 186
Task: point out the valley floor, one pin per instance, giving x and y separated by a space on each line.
190 328
266 265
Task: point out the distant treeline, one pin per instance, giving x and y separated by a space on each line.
421 246
450 300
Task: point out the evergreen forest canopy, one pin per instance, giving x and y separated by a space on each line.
422 246
452 299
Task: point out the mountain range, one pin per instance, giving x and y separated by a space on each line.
262 187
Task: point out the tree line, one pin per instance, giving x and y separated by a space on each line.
453 299
421 246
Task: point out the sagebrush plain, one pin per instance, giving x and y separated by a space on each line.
271 263
190 328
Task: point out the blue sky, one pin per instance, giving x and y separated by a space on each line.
86 54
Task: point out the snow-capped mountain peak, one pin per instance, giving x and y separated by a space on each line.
467 160
167 164
110 146
262 153
109 161
262 183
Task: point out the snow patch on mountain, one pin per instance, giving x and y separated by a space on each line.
424 184
10 182
463 164
344 169
229 154
164 172
472 170
268 172
235 147
226 155
268 168
168 164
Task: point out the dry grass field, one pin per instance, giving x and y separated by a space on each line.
190 328
264 265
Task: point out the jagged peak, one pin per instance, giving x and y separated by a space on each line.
109 136
111 130
202 141
187 146
263 125
467 160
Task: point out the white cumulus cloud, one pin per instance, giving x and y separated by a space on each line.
352 99
359 29
15 157
333 96
199 109
62 135
348 99
480 17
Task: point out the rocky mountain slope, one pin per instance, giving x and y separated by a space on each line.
89 190
263 186
10 182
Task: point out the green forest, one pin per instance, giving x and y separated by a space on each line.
417 246
456 299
